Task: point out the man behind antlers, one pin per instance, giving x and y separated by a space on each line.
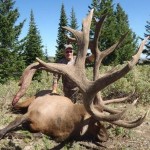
69 88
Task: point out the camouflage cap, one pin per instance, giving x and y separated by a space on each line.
68 46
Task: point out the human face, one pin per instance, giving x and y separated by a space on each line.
69 53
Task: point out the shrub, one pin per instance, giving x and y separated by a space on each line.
138 79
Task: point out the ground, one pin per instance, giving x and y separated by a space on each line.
119 138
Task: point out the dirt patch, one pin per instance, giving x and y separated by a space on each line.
139 139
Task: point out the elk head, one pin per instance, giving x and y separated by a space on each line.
92 100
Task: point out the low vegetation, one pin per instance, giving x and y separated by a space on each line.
137 80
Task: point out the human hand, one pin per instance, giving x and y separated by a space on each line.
54 92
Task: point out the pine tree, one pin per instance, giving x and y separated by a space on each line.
46 54
73 25
128 47
147 49
11 63
61 37
115 25
108 30
33 45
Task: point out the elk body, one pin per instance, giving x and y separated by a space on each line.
58 117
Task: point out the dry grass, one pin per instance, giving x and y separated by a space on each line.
119 138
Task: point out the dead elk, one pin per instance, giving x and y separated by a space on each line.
58 117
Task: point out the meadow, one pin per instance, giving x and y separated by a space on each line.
137 80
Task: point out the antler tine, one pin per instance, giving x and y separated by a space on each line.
93 45
113 47
95 110
107 79
70 39
130 124
77 34
83 46
137 56
118 99
114 111
98 29
101 55
53 67
104 117
26 80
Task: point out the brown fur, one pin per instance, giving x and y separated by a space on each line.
58 117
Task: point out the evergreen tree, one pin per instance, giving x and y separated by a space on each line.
11 63
147 49
61 37
33 45
46 54
128 47
73 25
115 25
107 38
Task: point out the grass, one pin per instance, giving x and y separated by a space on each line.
138 79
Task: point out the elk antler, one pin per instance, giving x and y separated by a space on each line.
26 80
76 73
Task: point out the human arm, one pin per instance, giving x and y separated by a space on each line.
56 78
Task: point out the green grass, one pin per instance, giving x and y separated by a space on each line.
138 79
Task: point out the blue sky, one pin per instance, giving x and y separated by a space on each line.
47 14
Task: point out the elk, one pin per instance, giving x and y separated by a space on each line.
43 113
55 116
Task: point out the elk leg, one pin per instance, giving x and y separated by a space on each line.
22 107
13 125
102 135
24 104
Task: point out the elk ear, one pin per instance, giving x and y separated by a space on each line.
84 129
85 124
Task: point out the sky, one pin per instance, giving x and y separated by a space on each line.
47 15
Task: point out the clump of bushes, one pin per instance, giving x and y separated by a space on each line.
137 80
